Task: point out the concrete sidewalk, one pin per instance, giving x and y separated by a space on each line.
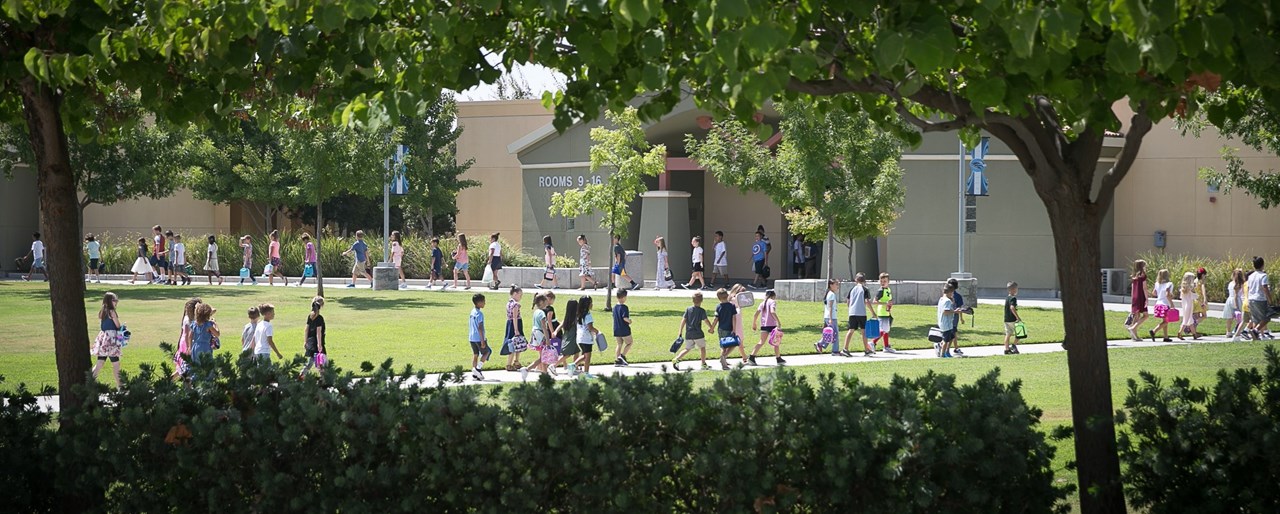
499 376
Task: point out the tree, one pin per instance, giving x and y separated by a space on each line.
243 163
1256 125
1041 77
356 62
846 169
140 159
630 158
432 167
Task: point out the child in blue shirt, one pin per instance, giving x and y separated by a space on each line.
475 334
437 262
361 264
622 328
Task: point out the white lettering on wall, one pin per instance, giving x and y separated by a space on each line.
567 181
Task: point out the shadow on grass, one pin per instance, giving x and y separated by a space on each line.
387 304
145 293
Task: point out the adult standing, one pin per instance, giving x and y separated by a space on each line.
620 264
664 280
720 262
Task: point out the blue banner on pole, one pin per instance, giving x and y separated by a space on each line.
399 182
977 183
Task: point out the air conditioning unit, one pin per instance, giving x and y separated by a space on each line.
1115 281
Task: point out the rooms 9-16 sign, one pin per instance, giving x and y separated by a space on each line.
567 181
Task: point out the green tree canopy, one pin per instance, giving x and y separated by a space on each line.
432 168
1253 123
835 175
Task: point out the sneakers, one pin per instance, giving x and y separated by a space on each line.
524 374
889 349
724 365
1008 351
845 353
475 373
622 361
868 353
752 360
706 367
958 352
681 286
635 286
675 365
573 369
1015 349
946 355
817 347
781 361
587 376
351 286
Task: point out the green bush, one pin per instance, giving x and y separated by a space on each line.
1219 270
1193 449
119 253
264 441
26 474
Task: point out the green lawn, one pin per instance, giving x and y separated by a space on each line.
424 328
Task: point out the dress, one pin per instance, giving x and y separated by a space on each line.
141 265
211 259
663 266
1138 292
584 261
107 344
184 345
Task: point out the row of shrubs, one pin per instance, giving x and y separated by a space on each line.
1219 270
336 443
119 253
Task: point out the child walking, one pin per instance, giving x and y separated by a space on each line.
691 331
250 333
946 321
397 255
1138 302
246 249
1011 319
361 264
515 327
203 330
586 336
171 258
180 260
1233 310
211 261
94 249
461 262
829 317
883 306
313 340
475 335
273 252
1163 291
549 259
538 344
184 338
696 276
585 272
437 262
107 345
766 321
495 260
1190 298
264 338
621 329
723 322
37 258
568 335
141 265
665 278
858 297
619 271
310 260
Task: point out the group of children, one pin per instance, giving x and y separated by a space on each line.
1247 309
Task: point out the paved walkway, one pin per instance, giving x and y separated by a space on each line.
497 376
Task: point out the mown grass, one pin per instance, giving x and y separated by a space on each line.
426 329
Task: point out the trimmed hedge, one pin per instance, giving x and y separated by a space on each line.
119 254
1194 449
750 442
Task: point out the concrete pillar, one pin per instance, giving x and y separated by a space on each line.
666 214
386 277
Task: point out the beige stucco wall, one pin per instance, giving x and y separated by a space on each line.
1164 192
488 127
737 215
181 213
19 215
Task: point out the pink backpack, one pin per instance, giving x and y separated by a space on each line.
828 336
775 337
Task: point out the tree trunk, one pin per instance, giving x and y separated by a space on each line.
319 239
1079 254
431 222
59 209
831 246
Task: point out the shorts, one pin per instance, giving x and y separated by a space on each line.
723 270
435 269
37 263
857 322
619 334
768 329
461 266
886 322
757 267
697 267
1008 327
357 267
586 347
497 263
1259 311
478 347
722 333
949 335
93 264
695 343
396 263
275 263
156 262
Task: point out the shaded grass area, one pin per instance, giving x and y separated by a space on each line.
427 329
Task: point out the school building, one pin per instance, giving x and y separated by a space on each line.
521 160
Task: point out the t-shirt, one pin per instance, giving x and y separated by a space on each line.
1256 281
474 332
858 297
309 252
694 316
958 300
212 252
460 255
757 251
946 321
724 315
495 249
829 307
539 317
397 252
179 253
159 244
620 327
437 258
620 254
697 255
883 298
37 249
721 258
274 248
247 336
361 249
94 247
1010 303
768 310
797 249
264 331
1162 294
312 325
584 335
